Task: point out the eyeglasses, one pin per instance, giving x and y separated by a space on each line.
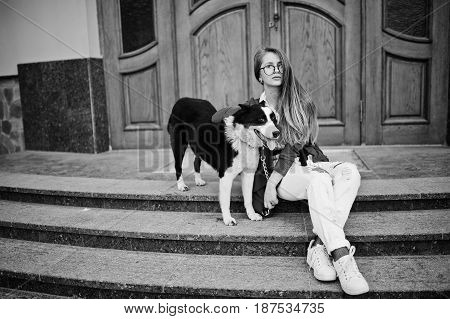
270 69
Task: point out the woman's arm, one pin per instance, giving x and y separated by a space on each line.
287 158
223 113
285 161
230 110
270 194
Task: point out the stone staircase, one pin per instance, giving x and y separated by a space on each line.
117 238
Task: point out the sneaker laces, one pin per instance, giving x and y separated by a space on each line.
349 266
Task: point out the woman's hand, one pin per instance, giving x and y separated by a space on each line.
270 196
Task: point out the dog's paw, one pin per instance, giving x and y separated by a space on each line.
182 187
254 216
229 221
200 182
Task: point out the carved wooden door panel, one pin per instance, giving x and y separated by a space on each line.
406 71
138 49
322 39
216 41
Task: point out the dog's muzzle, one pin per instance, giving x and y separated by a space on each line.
268 142
273 135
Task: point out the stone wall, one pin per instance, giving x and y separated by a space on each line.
11 124
64 106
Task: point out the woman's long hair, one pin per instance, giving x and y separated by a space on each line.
298 114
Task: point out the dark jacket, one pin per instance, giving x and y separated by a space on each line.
286 159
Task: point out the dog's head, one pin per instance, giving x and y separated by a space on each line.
259 121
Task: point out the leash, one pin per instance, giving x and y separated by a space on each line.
264 165
265 212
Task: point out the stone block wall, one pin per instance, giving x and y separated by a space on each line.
11 124
64 106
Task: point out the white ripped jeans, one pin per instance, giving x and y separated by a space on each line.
330 188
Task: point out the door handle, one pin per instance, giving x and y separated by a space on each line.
276 16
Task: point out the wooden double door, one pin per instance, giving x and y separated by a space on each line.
216 41
205 48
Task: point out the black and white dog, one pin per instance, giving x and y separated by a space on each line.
230 147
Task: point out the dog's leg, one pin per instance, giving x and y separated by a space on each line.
198 179
179 147
247 191
181 185
225 184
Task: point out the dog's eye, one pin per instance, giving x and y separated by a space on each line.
273 118
261 120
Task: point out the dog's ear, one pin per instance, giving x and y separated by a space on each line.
250 103
244 105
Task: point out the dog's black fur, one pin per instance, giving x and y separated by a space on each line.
190 125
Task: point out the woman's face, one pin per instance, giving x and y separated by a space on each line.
270 76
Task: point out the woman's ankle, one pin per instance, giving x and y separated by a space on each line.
339 253
317 241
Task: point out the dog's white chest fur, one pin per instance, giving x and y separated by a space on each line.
246 160
245 143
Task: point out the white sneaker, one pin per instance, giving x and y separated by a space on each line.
319 260
352 282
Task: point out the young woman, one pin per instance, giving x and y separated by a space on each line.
329 187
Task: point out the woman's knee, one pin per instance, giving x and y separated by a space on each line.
350 171
320 180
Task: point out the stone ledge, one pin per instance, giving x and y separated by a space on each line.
122 273
6 293
168 225
374 233
399 189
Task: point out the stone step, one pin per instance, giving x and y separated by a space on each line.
104 273
374 195
425 232
6 293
